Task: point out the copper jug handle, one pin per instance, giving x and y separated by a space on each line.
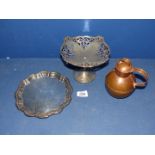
144 74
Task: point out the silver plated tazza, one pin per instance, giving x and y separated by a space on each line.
86 53
43 94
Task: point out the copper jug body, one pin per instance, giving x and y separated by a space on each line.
121 81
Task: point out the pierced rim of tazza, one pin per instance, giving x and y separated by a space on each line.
19 93
87 65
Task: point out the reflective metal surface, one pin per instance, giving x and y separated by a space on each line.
43 94
121 82
85 52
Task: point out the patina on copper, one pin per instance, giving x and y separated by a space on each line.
121 82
